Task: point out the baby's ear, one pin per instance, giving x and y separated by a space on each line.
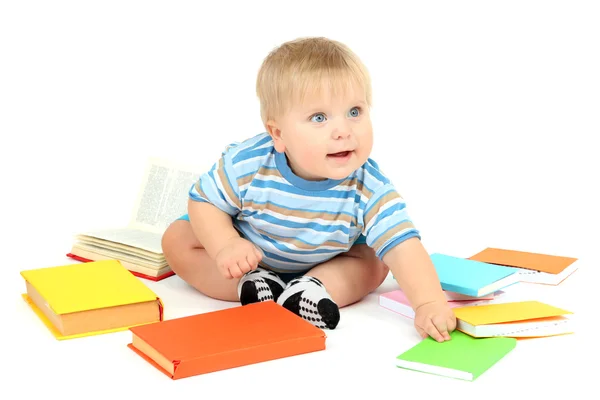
275 132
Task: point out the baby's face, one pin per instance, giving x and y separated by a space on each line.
326 136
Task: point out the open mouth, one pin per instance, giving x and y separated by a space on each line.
341 154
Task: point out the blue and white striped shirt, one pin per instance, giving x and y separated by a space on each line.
299 223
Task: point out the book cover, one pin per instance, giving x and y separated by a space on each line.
540 268
397 301
461 357
131 268
79 300
223 339
513 319
470 277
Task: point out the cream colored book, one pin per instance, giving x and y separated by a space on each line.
162 198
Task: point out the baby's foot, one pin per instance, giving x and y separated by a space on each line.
306 296
259 285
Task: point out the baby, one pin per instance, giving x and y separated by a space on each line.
300 214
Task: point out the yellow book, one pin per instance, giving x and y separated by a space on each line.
515 319
92 298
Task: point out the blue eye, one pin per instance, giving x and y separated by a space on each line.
319 117
354 112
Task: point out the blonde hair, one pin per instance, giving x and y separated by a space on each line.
307 66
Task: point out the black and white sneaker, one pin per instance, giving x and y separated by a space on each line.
307 297
260 285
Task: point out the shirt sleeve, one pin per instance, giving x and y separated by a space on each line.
219 186
386 221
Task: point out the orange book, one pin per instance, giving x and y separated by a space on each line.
228 338
538 268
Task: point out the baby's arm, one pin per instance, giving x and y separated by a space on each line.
213 203
411 266
213 227
214 200
414 271
390 231
233 255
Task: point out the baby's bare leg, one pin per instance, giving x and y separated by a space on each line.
351 276
343 280
188 259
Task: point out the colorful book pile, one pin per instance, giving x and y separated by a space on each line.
161 199
486 331
100 297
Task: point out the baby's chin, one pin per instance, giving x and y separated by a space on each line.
340 173
333 172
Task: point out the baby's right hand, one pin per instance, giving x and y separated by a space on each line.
237 257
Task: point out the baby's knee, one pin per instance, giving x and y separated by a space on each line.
177 237
382 271
371 261
168 239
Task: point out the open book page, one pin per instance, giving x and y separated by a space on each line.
118 254
162 198
163 195
131 263
132 240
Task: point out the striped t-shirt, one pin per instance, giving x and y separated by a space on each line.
300 223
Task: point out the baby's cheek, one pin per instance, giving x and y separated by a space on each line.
308 157
303 155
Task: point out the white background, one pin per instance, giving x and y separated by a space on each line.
484 117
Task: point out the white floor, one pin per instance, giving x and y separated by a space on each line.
359 359
484 118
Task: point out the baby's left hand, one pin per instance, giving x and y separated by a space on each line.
435 319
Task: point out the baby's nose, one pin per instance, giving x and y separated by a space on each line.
341 131
341 134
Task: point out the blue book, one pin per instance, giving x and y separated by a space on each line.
470 277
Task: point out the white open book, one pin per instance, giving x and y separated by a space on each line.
162 198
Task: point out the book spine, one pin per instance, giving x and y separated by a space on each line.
459 289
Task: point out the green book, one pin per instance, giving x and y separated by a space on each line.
462 357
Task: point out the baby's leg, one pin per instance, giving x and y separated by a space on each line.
351 276
188 259
336 283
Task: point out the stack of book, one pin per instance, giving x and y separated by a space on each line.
101 297
162 198
486 331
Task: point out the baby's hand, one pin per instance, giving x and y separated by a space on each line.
237 257
435 319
